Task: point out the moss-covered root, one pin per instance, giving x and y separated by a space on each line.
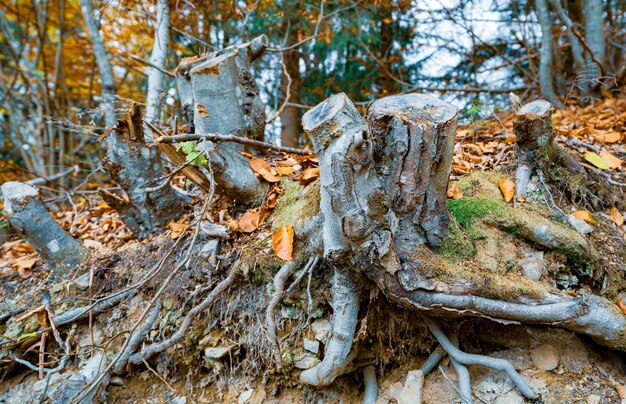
345 306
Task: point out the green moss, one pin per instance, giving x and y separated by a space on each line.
296 205
468 210
457 246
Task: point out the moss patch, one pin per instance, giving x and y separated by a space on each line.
296 205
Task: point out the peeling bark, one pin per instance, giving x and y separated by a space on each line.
29 216
138 168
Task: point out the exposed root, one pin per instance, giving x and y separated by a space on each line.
432 361
472 359
465 384
522 178
311 264
279 287
150 350
136 338
371 385
345 306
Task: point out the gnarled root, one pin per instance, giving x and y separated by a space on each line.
136 339
371 385
270 314
472 359
345 317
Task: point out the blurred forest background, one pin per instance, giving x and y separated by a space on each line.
65 62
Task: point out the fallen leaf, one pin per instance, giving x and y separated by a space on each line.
610 159
616 216
263 168
309 175
282 242
249 221
621 391
25 263
508 188
621 305
610 137
584 215
176 228
454 192
596 160
285 170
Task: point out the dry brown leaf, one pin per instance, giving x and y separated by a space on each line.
176 228
508 188
621 305
454 192
611 160
282 242
616 216
309 175
621 391
584 215
610 137
285 170
249 221
263 168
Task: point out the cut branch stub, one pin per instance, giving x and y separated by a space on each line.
413 147
29 216
136 167
352 201
534 132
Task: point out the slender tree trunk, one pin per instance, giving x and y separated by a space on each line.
594 33
158 58
546 53
290 85
107 79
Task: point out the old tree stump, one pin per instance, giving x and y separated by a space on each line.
383 182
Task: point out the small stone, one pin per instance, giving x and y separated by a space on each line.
82 282
179 400
290 312
593 399
412 391
306 363
545 356
579 225
533 266
209 248
216 352
321 328
245 396
311 346
116 381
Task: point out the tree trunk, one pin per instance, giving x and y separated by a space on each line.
290 127
219 95
158 58
594 34
29 216
546 53
138 169
107 79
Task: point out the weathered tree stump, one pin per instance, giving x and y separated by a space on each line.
219 95
138 169
29 216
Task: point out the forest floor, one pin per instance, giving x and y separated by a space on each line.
224 355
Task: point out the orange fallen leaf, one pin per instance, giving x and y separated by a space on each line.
621 391
584 215
508 189
454 192
610 159
282 242
621 305
263 168
610 137
285 170
249 221
176 228
616 216
309 175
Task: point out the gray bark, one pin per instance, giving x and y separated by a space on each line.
158 58
594 32
219 95
546 53
107 79
29 216
138 169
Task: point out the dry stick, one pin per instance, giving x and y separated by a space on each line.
310 266
473 359
98 379
573 142
371 385
150 350
279 287
45 180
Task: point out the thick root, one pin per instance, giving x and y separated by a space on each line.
345 317
270 314
371 385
